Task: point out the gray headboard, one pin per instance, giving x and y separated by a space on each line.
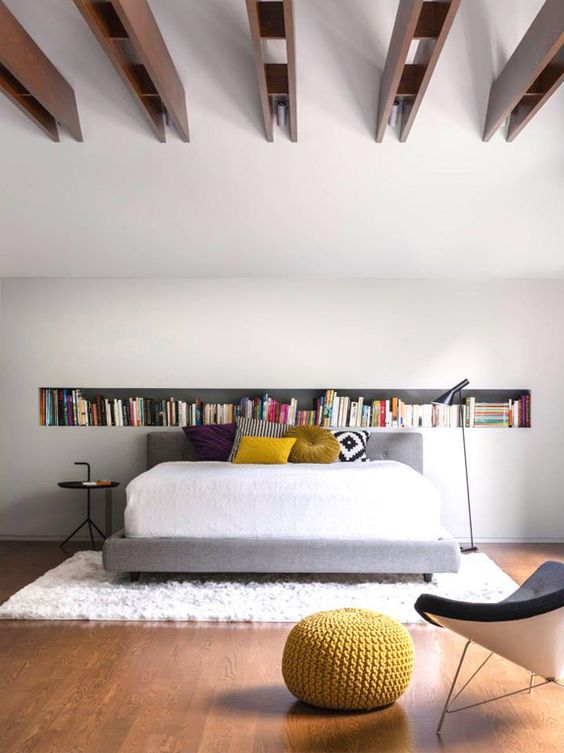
403 446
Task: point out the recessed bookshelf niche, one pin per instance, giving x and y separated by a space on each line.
358 408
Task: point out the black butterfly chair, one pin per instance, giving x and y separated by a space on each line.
527 628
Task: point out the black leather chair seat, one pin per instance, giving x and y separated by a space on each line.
542 592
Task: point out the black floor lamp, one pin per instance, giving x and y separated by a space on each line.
448 399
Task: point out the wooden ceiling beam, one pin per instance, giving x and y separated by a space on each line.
131 38
536 96
276 79
30 80
271 20
429 22
410 81
291 52
274 19
532 74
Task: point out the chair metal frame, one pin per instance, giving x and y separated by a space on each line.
450 700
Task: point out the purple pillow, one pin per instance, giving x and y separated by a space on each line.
211 442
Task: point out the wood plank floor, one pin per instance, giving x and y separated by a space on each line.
79 687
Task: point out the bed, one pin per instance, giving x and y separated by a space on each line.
377 517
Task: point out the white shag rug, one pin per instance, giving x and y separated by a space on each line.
80 589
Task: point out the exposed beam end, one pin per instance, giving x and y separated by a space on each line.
31 81
429 22
528 107
73 124
180 121
130 36
531 75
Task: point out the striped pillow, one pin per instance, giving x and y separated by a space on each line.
254 427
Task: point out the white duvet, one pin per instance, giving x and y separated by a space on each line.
377 500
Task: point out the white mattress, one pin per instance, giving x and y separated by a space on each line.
377 500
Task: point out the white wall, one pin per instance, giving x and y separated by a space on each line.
235 333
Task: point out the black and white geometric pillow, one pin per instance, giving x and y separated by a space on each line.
353 446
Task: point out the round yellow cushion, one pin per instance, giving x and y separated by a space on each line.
348 659
313 445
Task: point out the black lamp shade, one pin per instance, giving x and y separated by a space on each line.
447 398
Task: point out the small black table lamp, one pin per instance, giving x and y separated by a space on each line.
448 399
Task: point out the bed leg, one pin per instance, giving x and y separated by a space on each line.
428 577
133 577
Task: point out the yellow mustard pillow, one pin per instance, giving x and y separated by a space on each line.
267 450
313 445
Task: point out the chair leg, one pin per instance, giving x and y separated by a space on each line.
428 577
451 691
450 700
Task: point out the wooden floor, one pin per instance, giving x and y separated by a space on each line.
79 687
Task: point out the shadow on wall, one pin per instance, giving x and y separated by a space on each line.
484 55
355 41
218 33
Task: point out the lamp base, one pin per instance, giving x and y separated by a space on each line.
466 549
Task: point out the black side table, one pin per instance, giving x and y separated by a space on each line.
88 521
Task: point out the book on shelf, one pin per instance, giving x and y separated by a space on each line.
71 407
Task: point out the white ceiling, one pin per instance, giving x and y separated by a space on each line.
336 204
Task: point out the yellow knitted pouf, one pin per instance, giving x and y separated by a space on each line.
348 659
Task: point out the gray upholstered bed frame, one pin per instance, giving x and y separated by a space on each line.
135 555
